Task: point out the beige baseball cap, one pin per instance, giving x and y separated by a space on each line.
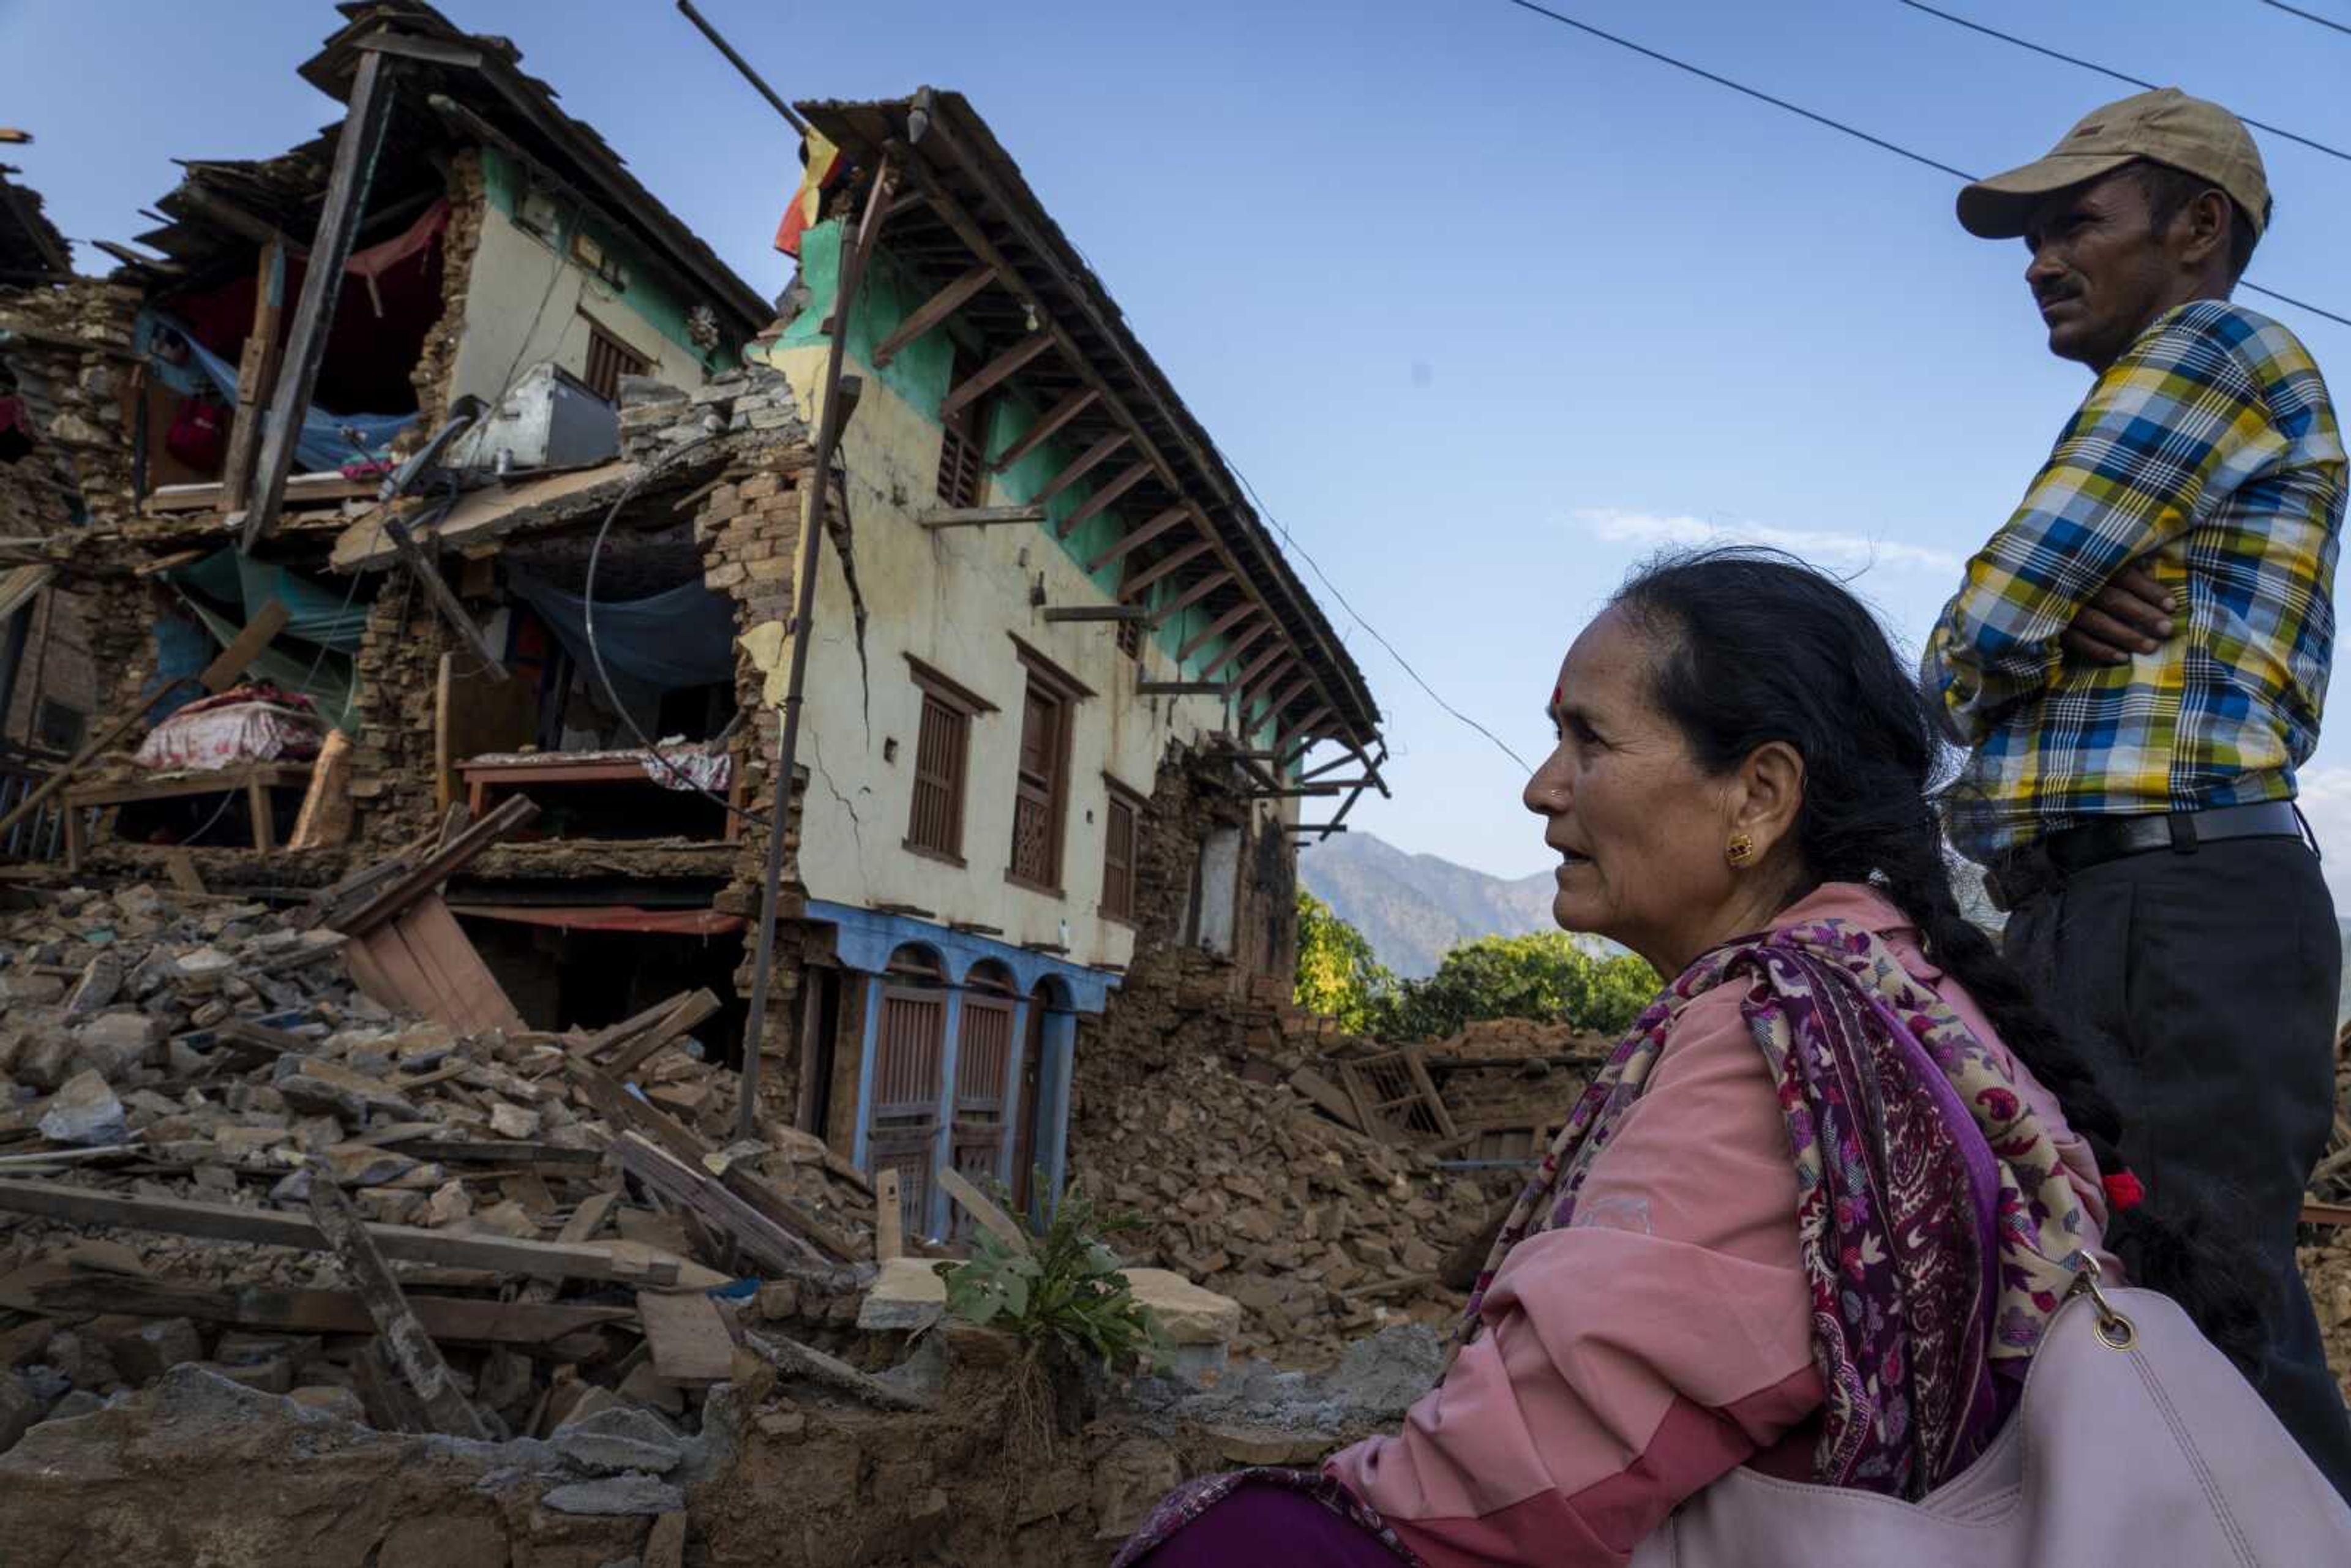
2165 126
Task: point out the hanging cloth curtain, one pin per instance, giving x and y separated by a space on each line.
683 636
321 447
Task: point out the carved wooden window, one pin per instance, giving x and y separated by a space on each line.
1039 788
942 763
609 360
1118 856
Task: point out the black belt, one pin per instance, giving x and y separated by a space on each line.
2019 874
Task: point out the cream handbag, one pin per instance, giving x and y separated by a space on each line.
2135 1442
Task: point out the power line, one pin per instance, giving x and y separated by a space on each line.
2110 71
1858 134
2307 15
1757 93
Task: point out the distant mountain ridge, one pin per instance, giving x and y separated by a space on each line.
1411 907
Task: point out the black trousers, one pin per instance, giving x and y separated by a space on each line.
2203 988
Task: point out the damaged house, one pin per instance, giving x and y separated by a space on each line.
510 472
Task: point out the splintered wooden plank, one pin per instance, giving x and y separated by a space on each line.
1046 427
1005 1229
688 1012
405 1338
889 1225
933 311
688 1338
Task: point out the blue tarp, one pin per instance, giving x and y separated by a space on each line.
680 637
322 447
234 587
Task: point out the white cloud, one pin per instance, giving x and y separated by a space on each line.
1819 546
2326 802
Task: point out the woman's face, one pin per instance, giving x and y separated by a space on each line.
1640 830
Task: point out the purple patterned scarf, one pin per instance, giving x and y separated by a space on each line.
1934 1258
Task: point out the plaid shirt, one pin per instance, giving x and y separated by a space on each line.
2209 456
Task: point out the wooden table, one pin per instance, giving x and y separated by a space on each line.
483 777
255 779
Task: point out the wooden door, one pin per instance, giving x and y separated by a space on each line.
1024 1137
902 1130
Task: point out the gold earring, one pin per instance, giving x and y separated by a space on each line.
1739 850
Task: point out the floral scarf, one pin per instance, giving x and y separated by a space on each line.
1934 1260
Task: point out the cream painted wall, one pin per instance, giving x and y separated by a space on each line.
507 331
954 598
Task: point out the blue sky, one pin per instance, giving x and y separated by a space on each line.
1486 310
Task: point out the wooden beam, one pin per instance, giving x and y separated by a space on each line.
1240 645
1246 681
686 1336
1331 767
1189 596
1181 688
405 1339
889 1220
768 1243
357 148
1096 613
226 1222
1140 583
1288 695
257 377
1002 1225
513 812
1304 726
977 516
1135 539
1218 628
1081 465
1126 479
931 312
455 1320
978 383
1047 426
701 1005
444 599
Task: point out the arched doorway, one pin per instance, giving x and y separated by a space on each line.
909 1061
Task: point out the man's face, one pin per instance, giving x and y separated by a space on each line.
2099 272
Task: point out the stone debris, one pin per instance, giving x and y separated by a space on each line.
200 1062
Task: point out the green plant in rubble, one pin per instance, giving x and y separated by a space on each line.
1067 1293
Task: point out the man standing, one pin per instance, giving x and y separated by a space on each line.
2138 661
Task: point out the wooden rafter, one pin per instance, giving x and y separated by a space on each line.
1240 645
1137 538
1140 583
1302 726
977 516
1119 483
1286 696
1245 682
1046 427
982 380
1191 596
1081 465
1218 628
933 311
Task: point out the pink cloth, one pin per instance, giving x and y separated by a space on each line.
1664 1337
248 724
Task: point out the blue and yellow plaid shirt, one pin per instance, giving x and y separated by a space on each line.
2209 456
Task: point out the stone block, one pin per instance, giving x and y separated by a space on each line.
149 1349
85 1111
621 1494
1188 1313
907 1296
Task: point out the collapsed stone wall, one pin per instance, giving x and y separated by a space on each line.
398 670
437 365
71 360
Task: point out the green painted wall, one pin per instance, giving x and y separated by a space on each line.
919 375
648 293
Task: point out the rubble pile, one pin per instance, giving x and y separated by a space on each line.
1321 1233
179 1077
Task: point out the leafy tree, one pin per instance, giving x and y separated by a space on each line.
1339 976
1546 975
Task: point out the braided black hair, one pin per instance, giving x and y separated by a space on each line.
1753 646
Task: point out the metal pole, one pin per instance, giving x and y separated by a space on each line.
740 64
787 744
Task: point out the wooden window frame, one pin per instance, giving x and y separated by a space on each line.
615 348
1119 798
1066 692
965 705
962 476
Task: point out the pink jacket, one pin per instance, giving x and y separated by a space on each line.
1663 1338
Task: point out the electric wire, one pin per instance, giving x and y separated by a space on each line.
1855 131
2110 71
2307 15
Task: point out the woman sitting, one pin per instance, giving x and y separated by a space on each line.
1815 1212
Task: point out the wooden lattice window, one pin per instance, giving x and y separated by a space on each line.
1036 800
942 760
1118 856
960 453
609 360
